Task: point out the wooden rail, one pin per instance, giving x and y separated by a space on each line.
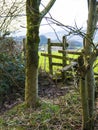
56 44
70 52
58 57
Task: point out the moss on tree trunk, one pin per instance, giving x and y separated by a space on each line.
34 17
84 100
32 41
89 58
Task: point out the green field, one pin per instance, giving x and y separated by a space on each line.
44 63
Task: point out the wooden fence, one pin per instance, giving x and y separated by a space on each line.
64 56
64 66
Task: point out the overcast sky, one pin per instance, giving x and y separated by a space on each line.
68 12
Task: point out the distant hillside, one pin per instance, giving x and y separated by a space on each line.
43 40
53 36
19 38
73 44
74 41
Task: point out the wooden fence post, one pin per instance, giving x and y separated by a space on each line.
65 45
50 58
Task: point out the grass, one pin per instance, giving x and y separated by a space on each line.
21 117
44 62
48 116
96 66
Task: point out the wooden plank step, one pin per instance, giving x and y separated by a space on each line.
66 68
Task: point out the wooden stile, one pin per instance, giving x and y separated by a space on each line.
64 58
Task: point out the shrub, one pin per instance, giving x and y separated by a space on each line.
11 75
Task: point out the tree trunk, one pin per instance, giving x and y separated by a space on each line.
84 92
91 96
89 58
32 41
34 18
84 100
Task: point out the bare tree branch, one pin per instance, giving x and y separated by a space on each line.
8 12
47 8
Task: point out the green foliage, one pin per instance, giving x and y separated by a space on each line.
11 75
